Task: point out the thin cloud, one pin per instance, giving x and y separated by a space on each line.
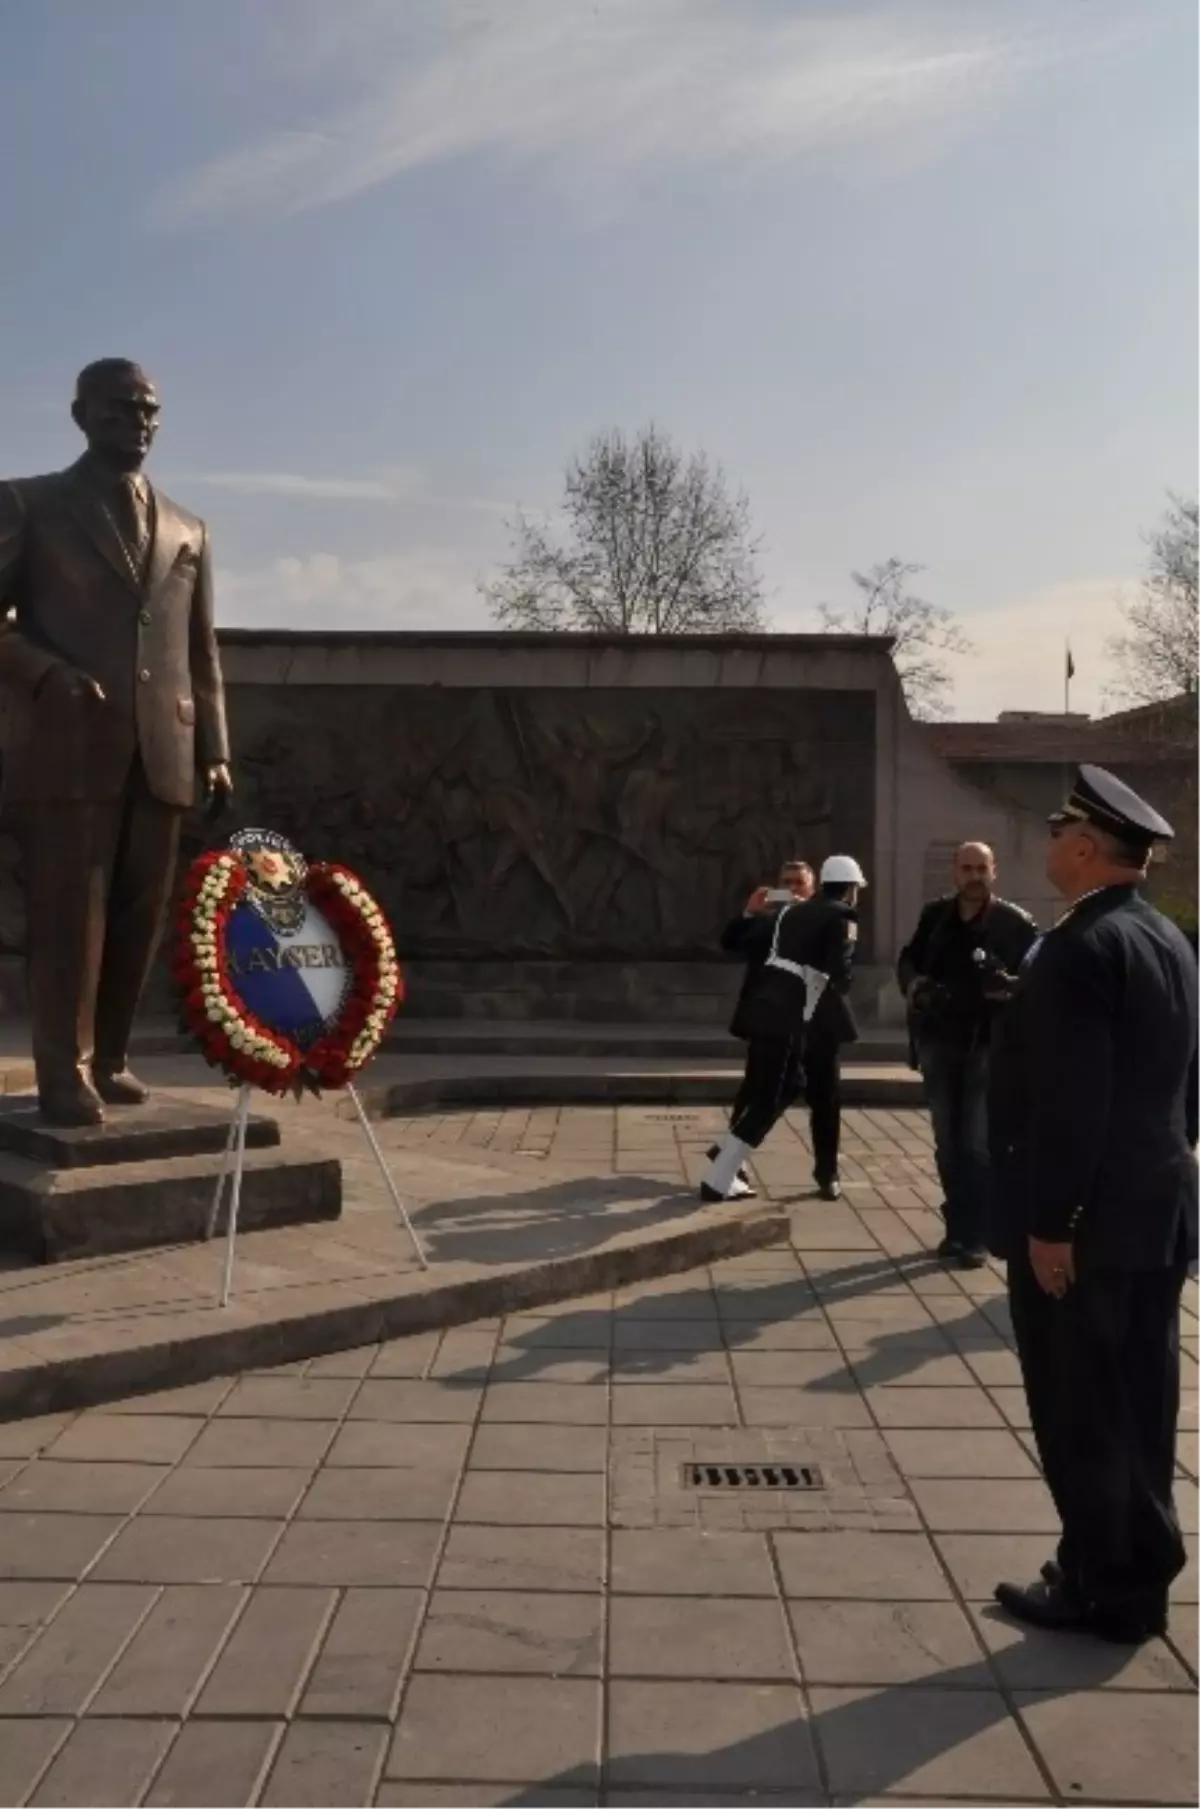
601 92
426 588
402 484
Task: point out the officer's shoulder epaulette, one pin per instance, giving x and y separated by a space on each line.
1016 910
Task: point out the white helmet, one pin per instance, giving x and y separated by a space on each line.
842 870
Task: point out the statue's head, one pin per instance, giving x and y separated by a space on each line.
116 409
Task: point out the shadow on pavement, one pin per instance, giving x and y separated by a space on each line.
531 1224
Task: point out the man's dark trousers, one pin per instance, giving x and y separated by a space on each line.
823 1093
956 1083
772 1082
1101 1373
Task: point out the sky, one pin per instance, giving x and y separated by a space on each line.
921 277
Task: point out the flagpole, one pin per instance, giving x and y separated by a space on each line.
1067 680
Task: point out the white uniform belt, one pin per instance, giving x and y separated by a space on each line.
789 967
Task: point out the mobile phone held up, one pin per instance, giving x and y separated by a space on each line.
779 895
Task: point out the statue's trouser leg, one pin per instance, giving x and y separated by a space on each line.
97 877
140 885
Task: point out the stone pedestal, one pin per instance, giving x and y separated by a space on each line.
143 1178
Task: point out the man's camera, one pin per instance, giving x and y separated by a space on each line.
998 983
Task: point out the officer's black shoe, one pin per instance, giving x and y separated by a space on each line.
971 1256
746 1189
948 1250
829 1190
1052 1606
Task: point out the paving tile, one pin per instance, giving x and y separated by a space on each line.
889 1567
261 1444
884 1367
105 1762
718 1736
1103 1745
764 1297
522 1557
343 1553
548 1448
27 1438
287 1398
846 1642
65 1488
571 1329
170 1550
196 1399
240 1493
464 1355
159 1671
59 1673
680 1561
326 1763
24 1751
1028 1659
525 1729
695 1366
404 1401
790 1369
363 1657
835 1403
956 1743
379 1494
1013 1406
24 1608
406 1357
693 1300
711 1799
480 1796
214 1763
690 1636
674 1404
549 1366
391 1447
53 1545
667 1335
352 1363
955 1504
918 1407
525 1498
108 1438
937 1451
261 1669
808 1333
509 1631
581 1404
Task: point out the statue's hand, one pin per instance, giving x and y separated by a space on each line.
76 686
218 790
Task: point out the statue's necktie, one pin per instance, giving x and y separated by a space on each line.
132 517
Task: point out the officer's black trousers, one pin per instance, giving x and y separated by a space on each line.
1101 1371
772 1082
823 1092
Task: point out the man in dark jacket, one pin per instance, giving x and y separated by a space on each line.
806 949
1096 1197
950 973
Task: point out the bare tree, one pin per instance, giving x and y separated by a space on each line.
652 542
925 634
1156 657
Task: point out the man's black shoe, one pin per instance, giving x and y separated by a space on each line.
948 1250
971 1256
1051 1606
829 1190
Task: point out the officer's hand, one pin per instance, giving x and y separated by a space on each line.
1053 1266
757 902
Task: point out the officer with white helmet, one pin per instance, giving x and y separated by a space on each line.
796 1008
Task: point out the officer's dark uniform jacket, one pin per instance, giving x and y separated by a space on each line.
818 932
1089 1104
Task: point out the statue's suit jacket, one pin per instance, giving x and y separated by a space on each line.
73 595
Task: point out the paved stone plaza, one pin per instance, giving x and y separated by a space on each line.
465 1568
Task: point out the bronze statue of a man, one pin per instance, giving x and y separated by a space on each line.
108 655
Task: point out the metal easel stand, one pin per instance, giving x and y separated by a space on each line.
233 1162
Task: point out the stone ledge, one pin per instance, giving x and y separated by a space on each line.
134 1355
885 1086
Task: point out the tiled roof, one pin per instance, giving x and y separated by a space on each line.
1108 742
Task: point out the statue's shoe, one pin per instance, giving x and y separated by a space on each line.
120 1086
71 1107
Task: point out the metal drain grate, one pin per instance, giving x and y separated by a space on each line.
669 1117
752 1476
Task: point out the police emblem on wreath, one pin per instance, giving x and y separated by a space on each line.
275 877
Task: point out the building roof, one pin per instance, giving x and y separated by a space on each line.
1132 738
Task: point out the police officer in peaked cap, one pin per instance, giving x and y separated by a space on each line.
1094 1134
